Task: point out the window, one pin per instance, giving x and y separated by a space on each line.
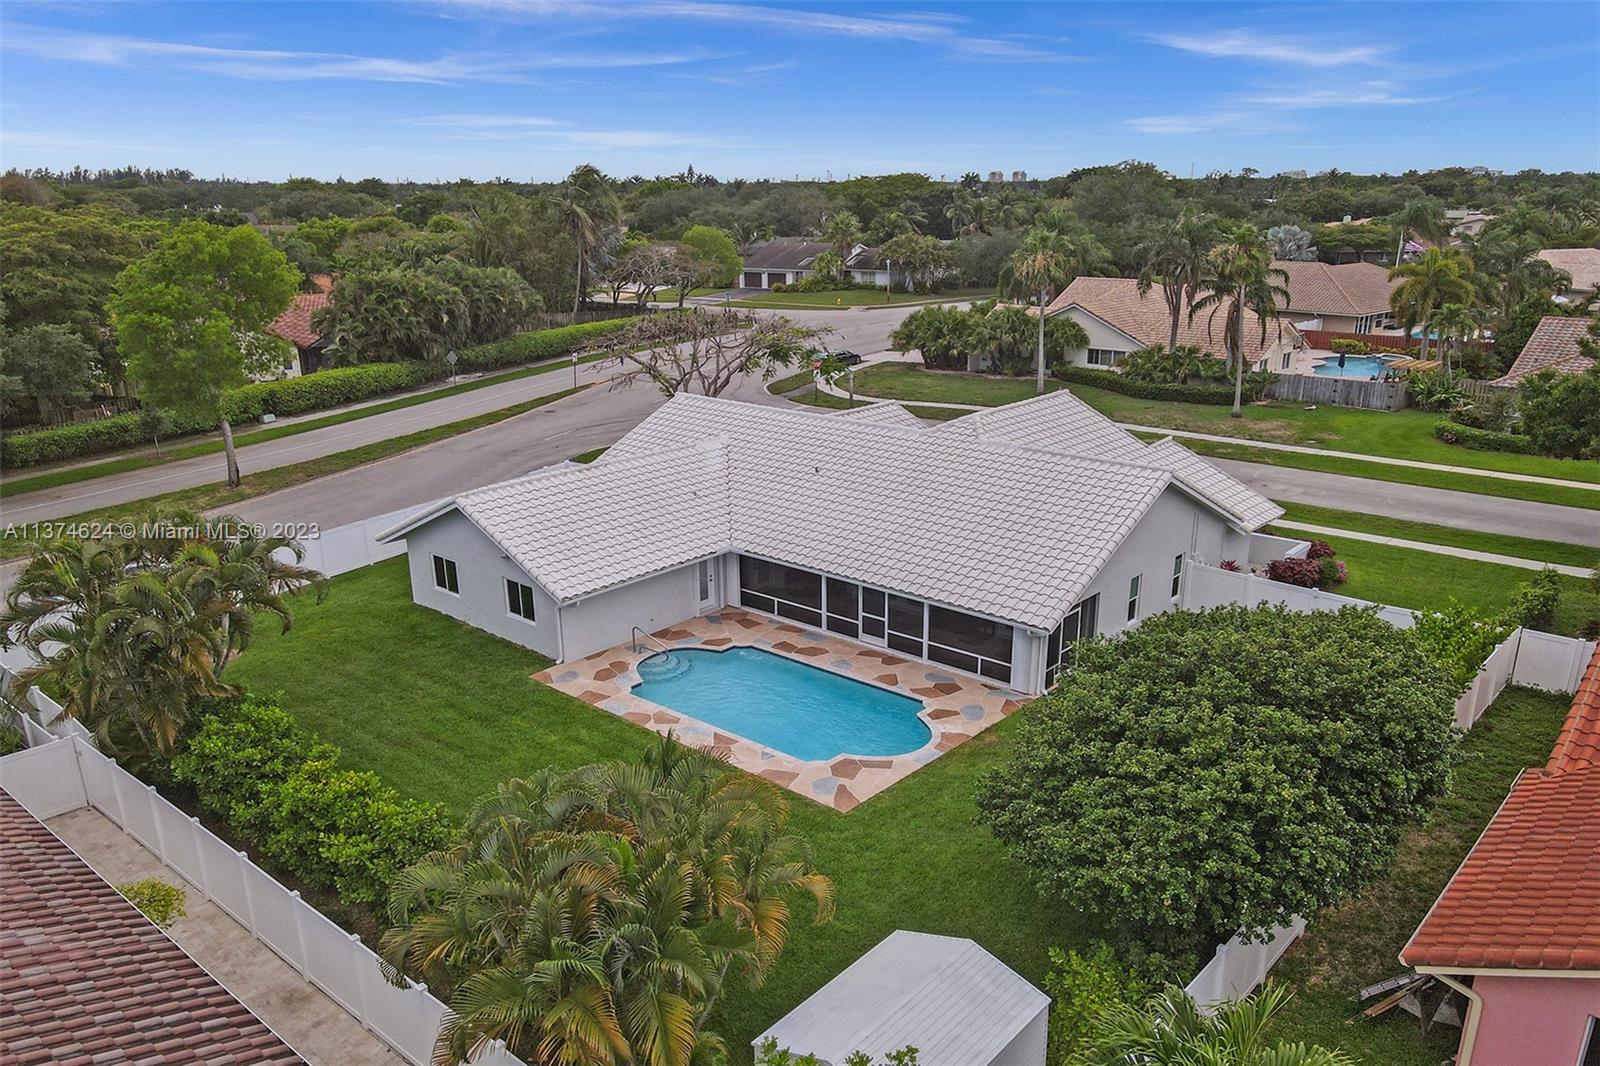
444 575
906 625
1177 575
1133 597
1287 356
1103 356
1591 1045
967 642
1080 623
781 590
844 606
519 599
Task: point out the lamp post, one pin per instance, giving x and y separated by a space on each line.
850 372
574 370
888 285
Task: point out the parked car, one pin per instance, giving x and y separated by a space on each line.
846 358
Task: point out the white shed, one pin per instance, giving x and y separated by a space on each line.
954 1002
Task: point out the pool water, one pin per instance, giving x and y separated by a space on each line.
789 706
1360 367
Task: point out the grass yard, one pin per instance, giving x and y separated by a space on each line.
1549 551
1400 434
858 298
842 403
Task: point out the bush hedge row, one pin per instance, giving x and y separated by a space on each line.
293 396
281 790
1483 440
1111 381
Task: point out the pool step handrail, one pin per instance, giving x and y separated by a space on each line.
664 649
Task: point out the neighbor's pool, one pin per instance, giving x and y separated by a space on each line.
794 708
1360 367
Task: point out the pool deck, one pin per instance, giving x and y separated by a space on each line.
955 707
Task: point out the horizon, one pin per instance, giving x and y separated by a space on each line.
526 89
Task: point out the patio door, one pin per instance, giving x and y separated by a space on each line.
706 585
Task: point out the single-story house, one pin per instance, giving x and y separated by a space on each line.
946 996
1553 345
1338 298
1120 319
294 326
1517 929
786 260
87 978
1582 265
987 545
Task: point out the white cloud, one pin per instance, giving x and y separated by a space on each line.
1248 44
1235 122
1356 94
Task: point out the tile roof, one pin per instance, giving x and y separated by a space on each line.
1553 345
1144 318
294 325
84 977
1001 524
1581 264
887 414
1253 509
1353 289
785 253
1524 898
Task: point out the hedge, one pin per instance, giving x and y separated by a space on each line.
1111 381
281 789
1483 440
537 345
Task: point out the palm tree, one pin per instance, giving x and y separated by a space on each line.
843 231
1453 324
1174 255
586 205
963 211
746 235
1423 217
1240 278
1046 262
1428 282
1172 1030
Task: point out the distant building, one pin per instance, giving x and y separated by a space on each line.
294 326
997 175
1294 174
786 260
1347 298
1582 265
1019 176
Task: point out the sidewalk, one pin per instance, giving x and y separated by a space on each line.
1437 549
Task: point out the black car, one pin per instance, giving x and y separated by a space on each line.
846 358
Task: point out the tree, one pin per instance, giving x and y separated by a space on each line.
1561 412
586 205
44 367
1173 254
920 260
1240 278
595 918
1170 1029
190 319
1426 283
1045 263
1292 243
411 313
715 247
705 350
944 335
843 231
1454 325
132 632
1423 217
1180 784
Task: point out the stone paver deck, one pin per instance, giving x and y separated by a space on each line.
314 1025
955 707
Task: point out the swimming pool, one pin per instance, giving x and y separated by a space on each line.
1360 367
792 707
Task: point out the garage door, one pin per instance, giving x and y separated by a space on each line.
776 279
752 279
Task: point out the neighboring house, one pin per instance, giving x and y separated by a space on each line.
946 996
294 326
1119 319
84 977
786 260
989 544
1553 345
1582 265
1519 923
1342 298
1466 221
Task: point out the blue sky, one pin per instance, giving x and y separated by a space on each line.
528 88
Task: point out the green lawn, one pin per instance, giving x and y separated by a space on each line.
442 711
1356 944
842 403
1399 434
858 298
1549 551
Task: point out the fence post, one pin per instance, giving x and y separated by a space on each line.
249 897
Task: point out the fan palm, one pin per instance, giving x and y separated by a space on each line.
1428 282
1174 255
1239 279
1171 1030
587 206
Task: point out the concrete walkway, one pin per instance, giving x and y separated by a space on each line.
1437 549
312 1024
1475 471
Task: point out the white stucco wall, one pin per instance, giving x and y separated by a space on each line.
607 619
481 573
1027 1048
1100 336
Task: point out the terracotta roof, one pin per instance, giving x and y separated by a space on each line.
1353 289
294 325
84 977
1524 897
1118 303
1582 264
1553 345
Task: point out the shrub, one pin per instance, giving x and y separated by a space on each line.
1349 347
1561 413
1459 639
1332 573
11 739
1320 549
537 345
1431 390
1111 381
825 283
1535 603
1590 630
1082 987
1496 410
158 901
280 788
1304 573
1211 772
1232 566
1483 440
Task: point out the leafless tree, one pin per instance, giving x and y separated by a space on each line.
703 351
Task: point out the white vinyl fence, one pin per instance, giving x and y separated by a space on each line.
65 774
1238 967
350 547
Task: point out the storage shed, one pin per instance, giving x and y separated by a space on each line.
954 1002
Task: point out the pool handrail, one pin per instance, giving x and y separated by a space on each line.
664 649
